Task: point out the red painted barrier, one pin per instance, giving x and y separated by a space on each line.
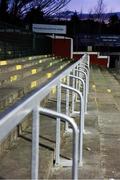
94 59
63 47
77 56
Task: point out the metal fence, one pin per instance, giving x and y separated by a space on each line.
17 42
77 81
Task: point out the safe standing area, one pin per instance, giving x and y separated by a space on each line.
101 155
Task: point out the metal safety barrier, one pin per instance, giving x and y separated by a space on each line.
81 71
15 115
86 85
81 118
35 140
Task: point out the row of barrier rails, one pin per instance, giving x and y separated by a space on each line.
77 82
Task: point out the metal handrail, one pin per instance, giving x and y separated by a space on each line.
81 123
75 137
86 79
86 84
13 116
84 89
87 71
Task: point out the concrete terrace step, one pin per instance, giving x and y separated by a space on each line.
8 96
23 59
22 63
36 79
9 77
16 89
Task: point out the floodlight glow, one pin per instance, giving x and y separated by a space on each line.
33 84
34 71
109 90
13 78
49 75
30 58
18 67
53 90
93 86
2 63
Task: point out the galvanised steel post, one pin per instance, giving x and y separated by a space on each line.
75 137
81 130
35 143
77 82
81 123
76 74
87 72
87 66
88 60
67 103
58 124
88 56
84 89
73 94
87 82
81 71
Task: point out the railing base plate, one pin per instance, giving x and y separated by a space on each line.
68 131
65 162
75 113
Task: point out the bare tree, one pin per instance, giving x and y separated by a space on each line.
90 14
81 14
100 10
49 7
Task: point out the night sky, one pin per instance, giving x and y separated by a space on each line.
87 5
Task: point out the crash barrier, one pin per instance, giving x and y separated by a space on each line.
77 81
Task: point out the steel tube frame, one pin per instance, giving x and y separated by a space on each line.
86 59
35 143
87 72
81 122
67 102
73 94
85 84
83 64
58 124
75 137
84 90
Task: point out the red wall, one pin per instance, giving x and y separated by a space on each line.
62 47
94 59
77 56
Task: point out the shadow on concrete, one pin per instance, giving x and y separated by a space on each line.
40 144
45 138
